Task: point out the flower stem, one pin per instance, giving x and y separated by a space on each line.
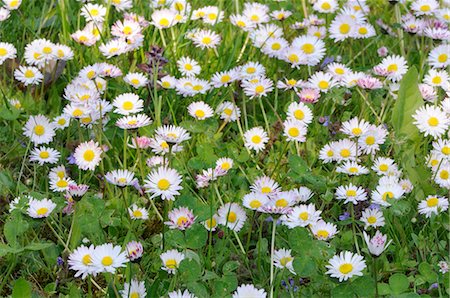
272 250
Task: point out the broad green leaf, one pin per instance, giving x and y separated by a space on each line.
189 270
399 283
21 289
427 272
304 266
38 246
196 236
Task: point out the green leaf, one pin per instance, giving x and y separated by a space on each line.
5 249
21 289
398 283
230 266
343 290
427 272
9 114
304 266
14 227
384 289
196 236
198 289
225 285
189 270
408 101
364 287
38 246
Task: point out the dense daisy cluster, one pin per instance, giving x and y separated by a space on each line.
232 149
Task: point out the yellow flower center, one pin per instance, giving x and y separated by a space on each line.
107 261
351 193
179 6
353 170
445 150
433 121
86 260
330 153
228 112
134 294
281 203
254 18
371 219
444 174
251 70
127 30
62 121
128 105
39 130
62 183
182 220
392 68
266 189
339 71
436 80
323 84
206 40
276 46
294 132
326 6
255 204
198 87
293 58
240 24
137 213
356 131
212 16
383 167
42 211
44 154
304 215
299 114
232 216
122 180
308 48
226 166
387 195
362 30
344 28
285 260
322 234
256 139
345 153
89 155
163 184
200 113
432 202
442 58
225 78
164 22
171 264
346 268
47 50
211 223
370 140
425 8
29 74
94 12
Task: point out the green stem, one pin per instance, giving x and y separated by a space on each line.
272 252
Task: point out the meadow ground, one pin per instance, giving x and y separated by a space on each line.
230 148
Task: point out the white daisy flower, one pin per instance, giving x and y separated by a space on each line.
107 258
44 155
134 121
265 185
188 66
136 79
351 194
80 260
255 139
323 230
120 177
355 127
180 218
254 201
295 130
346 265
352 168
431 120
171 260
128 103
200 110
228 111
88 155
7 51
232 215
135 289
93 12
372 217
283 259
39 129
433 205
164 182
137 213
206 39
248 290
28 75
302 216
40 208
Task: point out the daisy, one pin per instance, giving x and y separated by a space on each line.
206 39
84 37
12 4
274 47
322 81
351 194
200 110
252 69
167 82
283 199
301 216
342 27
107 258
232 215
4 14
61 122
172 134
122 5
300 112
60 184
211 223
355 127
93 12
364 30
180 218
436 78
280 15
242 22
346 265
128 103
439 57
223 78
254 201
7 51
249 291
88 155
424 7
431 120
283 259
442 175
255 139
120 177
385 192
370 141
394 67
179 294
352 168
323 230
134 250
45 155
188 66
257 87
289 84
385 166
171 260
295 130
80 260
326 6
39 129
372 217
257 13
228 111
136 79
125 29
28 75
345 150
441 148
311 48
137 213
265 185
135 289
113 48
433 205
40 208
134 121
164 182
302 194
309 95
